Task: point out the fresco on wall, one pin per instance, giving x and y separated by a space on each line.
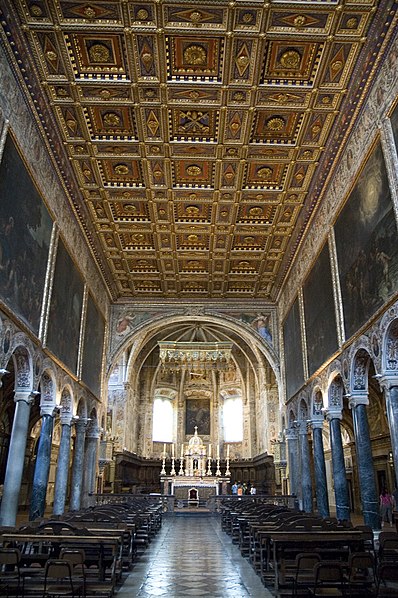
25 234
93 347
65 310
261 323
197 414
367 248
294 371
320 319
394 125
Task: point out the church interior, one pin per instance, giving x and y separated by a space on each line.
198 257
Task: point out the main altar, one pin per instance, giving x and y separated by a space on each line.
198 477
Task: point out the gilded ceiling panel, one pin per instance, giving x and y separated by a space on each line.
195 133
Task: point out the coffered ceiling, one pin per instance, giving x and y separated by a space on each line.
198 135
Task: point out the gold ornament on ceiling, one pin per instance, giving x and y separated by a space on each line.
195 55
89 12
111 119
352 23
275 123
36 10
290 59
265 173
142 14
299 21
194 170
99 53
121 169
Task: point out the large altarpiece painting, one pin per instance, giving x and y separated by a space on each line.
366 244
93 347
319 310
25 234
294 369
197 414
65 310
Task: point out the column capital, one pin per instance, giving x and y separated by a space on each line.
80 423
302 426
358 399
317 424
387 382
333 414
94 432
48 410
291 434
66 417
27 396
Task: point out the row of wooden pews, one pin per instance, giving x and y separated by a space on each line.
279 542
99 544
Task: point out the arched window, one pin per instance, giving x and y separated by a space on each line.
162 419
233 419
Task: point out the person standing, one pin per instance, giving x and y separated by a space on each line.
386 501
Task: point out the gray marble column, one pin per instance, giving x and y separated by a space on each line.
42 465
293 461
391 397
90 462
16 458
61 476
321 486
339 473
77 466
367 478
306 483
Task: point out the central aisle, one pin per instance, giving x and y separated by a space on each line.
191 556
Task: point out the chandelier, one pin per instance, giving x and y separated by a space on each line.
194 356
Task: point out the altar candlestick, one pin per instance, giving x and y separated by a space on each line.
164 449
209 451
182 451
218 451
227 450
172 450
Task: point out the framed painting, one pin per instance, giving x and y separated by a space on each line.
319 310
366 244
294 369
65 312
25 235
197 414
93 347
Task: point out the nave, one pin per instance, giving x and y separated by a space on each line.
191 556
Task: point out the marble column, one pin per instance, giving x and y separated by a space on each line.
292 453
16 458
306 483
367 479
391 398
90 462
77 466
338 465
42 465
61 476
321 487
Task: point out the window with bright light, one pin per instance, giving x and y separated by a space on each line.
162 420
233 419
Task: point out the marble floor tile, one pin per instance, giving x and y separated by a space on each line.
191 556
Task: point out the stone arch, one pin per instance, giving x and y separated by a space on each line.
360 370
48 390
303 411
335 392
81 408
66 400
390 349
22 356
291 418
317 402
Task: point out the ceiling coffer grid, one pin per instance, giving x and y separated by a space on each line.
195 131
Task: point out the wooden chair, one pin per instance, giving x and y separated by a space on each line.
304 574
58 580
387 580
76 558
10 574
361 577
329 580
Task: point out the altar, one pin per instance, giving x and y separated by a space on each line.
199 477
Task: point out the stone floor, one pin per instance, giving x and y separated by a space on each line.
191 556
